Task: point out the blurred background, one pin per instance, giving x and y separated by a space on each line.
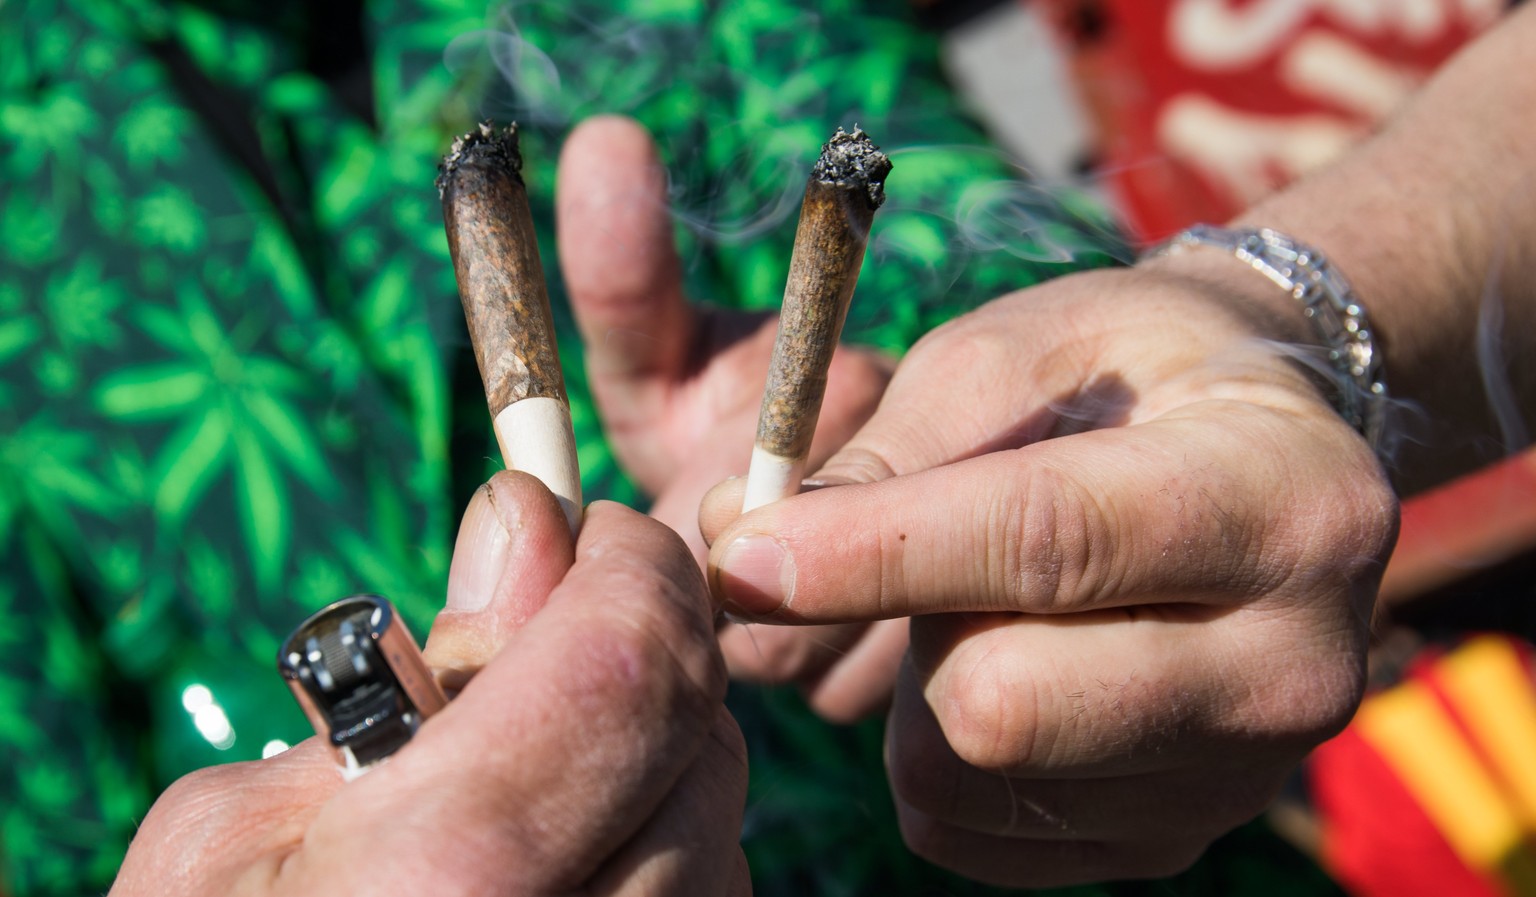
235 386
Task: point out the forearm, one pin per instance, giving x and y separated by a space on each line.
1434 222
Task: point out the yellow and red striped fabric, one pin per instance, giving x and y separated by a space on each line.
1431 790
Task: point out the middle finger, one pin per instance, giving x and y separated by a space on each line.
930 778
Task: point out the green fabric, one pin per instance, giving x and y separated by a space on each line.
234 379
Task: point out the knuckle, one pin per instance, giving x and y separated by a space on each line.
1301 687
658 653
972 351
652 550
859 464
1379 513
201 809
1046 544
990 721
1360 527
1313 702
960 343
1341 685
197 805
937 340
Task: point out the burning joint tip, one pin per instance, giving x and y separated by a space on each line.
846 186
853 160
492 240
485 145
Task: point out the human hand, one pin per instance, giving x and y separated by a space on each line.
679 387
591 754
1140 553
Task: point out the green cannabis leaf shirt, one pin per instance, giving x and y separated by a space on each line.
234 378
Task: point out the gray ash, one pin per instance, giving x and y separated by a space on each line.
853 160
483 146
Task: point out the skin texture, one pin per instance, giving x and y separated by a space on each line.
1138 548
679 386
589 753
1140 587
1432 223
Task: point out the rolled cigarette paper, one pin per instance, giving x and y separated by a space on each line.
846 186
506 306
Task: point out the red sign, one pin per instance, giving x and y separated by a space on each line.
1204 106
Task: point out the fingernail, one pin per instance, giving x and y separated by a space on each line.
757 575
479 554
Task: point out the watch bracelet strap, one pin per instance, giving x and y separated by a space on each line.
1327 300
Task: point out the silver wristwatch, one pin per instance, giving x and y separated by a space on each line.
1327 301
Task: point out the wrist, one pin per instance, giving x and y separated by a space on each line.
1268 311
1421 275
1342 350
1402 266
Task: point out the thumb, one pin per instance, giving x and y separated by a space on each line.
513 548
912 429
959 393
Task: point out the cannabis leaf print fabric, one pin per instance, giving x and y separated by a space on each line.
234 382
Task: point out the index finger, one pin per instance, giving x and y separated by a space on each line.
1180 508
